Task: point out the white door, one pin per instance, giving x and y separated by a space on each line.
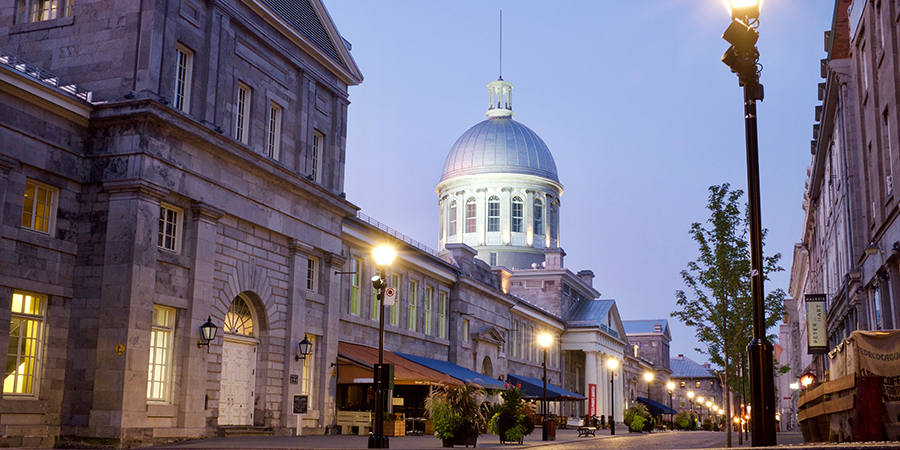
236 391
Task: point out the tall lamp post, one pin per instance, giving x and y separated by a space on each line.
612 363
544 339
384 256
671 387
649 377
742 58
700 401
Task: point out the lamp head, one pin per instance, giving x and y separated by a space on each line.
304 348
744 9
648 376
670 386
612 363
545 339
208 332
378 282
384 255
700 400
691 395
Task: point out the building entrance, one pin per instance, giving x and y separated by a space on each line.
236 391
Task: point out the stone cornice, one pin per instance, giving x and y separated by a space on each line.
205 211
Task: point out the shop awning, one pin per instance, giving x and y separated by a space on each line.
458 372
656 407
405 370
534 389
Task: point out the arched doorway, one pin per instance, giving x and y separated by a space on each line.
487 368
238 382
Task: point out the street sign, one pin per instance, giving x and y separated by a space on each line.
390 296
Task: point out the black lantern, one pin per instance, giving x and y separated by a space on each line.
304 348
208 333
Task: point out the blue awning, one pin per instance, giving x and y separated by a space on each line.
656 407
458 372
534 389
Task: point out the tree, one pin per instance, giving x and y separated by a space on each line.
718 303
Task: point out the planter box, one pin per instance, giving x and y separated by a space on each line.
395 428
461 440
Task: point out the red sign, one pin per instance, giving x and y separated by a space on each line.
592 399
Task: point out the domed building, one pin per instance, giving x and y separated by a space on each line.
499 190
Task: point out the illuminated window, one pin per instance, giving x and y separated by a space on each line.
356 266
470 215
413 319
25 341
513 338
442 316
429 298
309 373
169 237
538 216
273 134
28 11
696 385
242 113
239 318
375 308
517 209
184 68
452 227
493 219
39 210
395 309
159 383
682 384
317 149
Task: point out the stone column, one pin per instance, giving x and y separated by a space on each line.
296 329
590 377
330 332
119 406
195 360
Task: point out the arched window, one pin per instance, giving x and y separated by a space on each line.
239 319
493 219
452 227
470 215
517 210
538 216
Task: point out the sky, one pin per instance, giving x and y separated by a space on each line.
630 96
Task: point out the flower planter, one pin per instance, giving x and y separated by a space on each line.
466 440
395 428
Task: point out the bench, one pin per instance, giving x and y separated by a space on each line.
348 419
586 431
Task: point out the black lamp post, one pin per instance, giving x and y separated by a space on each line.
612 363
743 57
208 333
671 387
545 340
384 255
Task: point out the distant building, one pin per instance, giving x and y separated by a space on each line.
692 382
649 340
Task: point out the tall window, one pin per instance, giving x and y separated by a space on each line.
25 341
538 216
317 148
309 373
395 308
470 215
429 298
242 113
159 383
465 330
356 266
169 237
554 211
452 227
312 274
517 209
273 133
184 70
442 315
493 222
39 10
375 308
513 336
413 319
39 210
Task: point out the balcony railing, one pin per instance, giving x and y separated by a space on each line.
24 67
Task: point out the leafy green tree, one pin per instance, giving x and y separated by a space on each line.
718 303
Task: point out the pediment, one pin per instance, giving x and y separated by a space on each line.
490 334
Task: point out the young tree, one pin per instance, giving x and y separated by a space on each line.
718 303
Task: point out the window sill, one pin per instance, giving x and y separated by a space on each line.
160 410
42 25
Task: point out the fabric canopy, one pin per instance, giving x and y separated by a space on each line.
534 389
405 371
656 407
458 372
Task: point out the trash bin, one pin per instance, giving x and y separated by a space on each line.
549 429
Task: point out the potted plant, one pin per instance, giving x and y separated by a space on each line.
457 414
638 419
513 419
394 424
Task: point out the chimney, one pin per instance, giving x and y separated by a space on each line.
553 258
587 276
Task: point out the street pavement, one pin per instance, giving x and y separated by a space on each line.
566 440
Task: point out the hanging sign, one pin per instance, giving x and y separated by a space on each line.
390 296
816 327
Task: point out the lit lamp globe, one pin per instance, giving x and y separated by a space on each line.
670 386
545 339
612 363
384 255
648 376
740 9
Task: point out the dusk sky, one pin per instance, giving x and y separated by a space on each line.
632 100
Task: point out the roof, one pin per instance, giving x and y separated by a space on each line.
405 371
656 408
500 145
458 372
534 389
590 313
684 367
646 327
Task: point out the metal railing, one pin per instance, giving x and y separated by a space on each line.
25 67
396 234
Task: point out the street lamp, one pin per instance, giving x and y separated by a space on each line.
671 387
742 58
544 339
700 401
384 256
649 377
612 363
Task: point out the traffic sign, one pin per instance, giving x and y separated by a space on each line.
390 296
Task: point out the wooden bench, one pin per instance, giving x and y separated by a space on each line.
348 419
586 431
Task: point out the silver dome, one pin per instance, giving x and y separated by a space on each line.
499 145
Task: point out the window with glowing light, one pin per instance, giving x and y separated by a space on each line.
239 318
517 224
471 213
442 315
413 319
356 266
159 384
29 11
309 373
26 330
429 299
396 279
493 219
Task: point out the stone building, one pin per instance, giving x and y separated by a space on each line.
694 381
649 340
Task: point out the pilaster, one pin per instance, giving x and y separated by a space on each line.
331 325
590 376
296 328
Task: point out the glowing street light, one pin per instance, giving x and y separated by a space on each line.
384 256
545 339
612 363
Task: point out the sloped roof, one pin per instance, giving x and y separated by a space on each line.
587 313
647 327
684 367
